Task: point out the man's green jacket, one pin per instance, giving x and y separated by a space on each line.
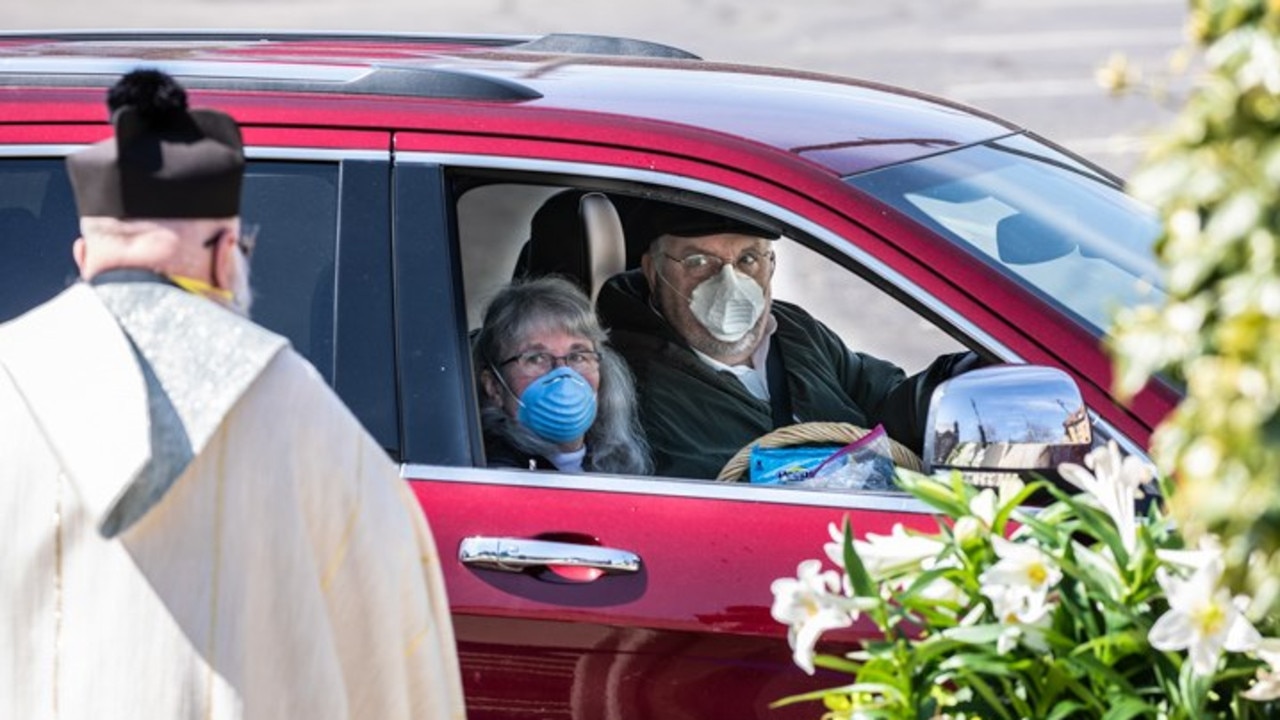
696 417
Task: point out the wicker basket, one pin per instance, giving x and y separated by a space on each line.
829 433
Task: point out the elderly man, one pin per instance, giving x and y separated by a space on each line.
719 362
192 525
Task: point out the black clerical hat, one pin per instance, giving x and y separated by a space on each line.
165 160
655 219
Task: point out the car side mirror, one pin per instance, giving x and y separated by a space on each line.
1005 420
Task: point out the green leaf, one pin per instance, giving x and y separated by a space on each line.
889 692
970 663
992 700
1125 642
1097 572
1066 709
1194 690
834 662
936 646
1129 707
1006 510
950 499
810 696
986 634
859 579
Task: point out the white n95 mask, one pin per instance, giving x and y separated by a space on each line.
727 304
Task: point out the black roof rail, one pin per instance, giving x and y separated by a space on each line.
421 82
581 44
389 81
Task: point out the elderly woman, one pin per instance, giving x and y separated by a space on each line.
553 395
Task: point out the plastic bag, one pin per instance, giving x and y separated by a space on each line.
787 465
865 464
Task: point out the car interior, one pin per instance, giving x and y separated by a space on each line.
518 228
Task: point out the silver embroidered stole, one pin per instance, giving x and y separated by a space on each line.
197 358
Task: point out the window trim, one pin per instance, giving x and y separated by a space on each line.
251 152
667 487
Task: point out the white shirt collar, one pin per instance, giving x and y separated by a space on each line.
754 376
569 462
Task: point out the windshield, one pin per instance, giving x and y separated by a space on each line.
1038 216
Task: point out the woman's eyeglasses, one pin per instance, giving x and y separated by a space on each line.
537 362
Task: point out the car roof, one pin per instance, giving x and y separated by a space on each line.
841 124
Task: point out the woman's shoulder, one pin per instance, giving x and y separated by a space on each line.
499 452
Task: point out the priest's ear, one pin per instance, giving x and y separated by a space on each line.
78 253
225 262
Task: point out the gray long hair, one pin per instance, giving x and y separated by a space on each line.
615 441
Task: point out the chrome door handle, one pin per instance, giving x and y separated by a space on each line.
519 554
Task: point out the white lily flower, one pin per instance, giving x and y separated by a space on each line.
835 548
982 515
1018 587
1020 565
940 589
810 604
1209 550
887 555
1024 612
1032 636
943 590
1267 686
1102 566
1115 483
1015 604
1202 618
1008 487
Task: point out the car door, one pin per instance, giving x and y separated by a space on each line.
672 619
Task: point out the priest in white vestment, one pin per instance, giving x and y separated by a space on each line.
192 525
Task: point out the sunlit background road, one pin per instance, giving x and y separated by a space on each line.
1032 61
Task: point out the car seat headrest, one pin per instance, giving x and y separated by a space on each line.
578 235
606 241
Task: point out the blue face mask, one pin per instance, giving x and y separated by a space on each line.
559 406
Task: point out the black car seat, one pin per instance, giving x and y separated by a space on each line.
576 234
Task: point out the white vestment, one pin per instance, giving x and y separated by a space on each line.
274 566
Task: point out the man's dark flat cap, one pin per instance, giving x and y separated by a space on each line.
656 219
165 161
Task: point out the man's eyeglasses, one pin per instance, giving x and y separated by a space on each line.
701 266
536 362
246 241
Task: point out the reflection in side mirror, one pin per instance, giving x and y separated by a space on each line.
1005 420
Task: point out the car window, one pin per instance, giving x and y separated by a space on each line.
293 204
295 208
1038 217
38 223
494 224
865 317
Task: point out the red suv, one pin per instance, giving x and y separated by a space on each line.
396 180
